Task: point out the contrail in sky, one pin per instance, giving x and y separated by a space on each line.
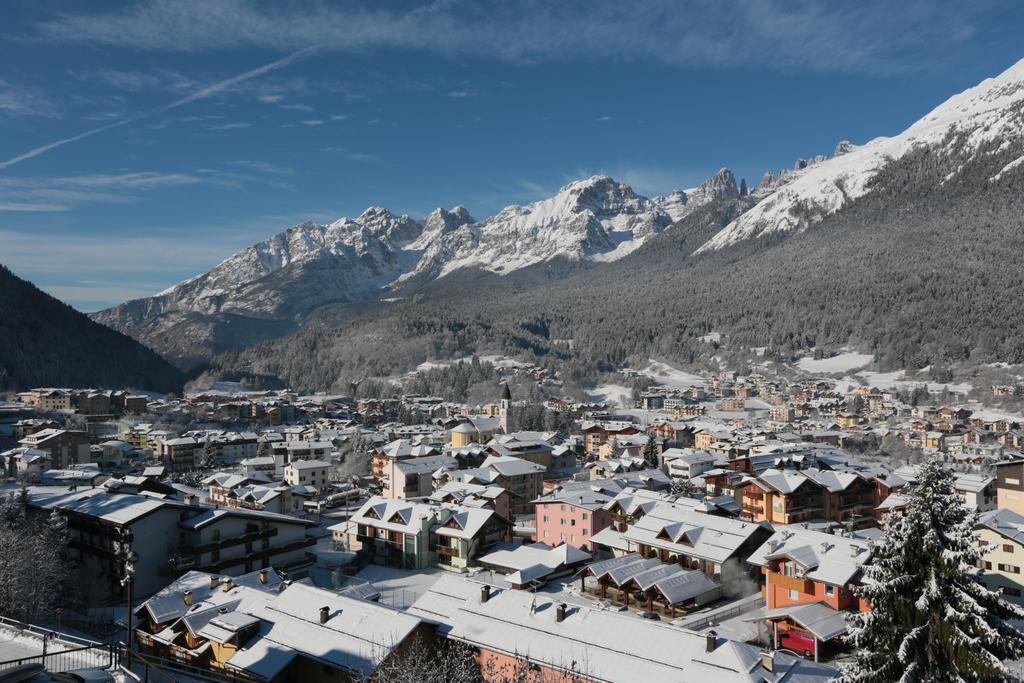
202 93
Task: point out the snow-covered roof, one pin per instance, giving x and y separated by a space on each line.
308 464
511 466
1005 522
600 645
824 622
681 530
513 558
829 558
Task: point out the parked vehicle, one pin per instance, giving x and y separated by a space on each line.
798 642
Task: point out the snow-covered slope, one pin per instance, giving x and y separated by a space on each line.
990 111
597 218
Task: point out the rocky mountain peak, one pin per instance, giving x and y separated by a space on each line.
722 185
843 147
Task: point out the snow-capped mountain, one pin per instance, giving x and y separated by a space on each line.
597 219
269 286
991 113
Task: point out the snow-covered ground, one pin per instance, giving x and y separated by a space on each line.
843 362
17 644
712 338
663 373
894 380
612 394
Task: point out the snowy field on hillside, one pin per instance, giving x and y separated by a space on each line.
612 394
843 362
436 364
663 373
894 380
712 338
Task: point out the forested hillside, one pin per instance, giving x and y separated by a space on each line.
44 342
922 269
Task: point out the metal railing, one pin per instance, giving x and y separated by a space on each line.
160 669
96 656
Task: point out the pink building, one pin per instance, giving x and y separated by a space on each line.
572 515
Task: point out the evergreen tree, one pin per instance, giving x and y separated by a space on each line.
651 452
931 619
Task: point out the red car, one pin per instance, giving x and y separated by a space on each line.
797 642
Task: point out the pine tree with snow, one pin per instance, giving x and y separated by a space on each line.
931 619
651 452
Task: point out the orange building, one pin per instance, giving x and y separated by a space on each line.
809 577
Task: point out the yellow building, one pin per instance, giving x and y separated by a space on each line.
463 435
1001 536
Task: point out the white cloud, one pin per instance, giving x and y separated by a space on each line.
51 194
229 126
313 122
603 119
29 207
25 100
92 274
270 99
262 167
460 93
297 107
873 35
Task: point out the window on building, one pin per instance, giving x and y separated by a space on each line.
830 590
1007 548
794 595
988 565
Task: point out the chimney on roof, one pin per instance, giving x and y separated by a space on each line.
263 576
214 582
188 598
485 594
222 610
854 550
227 583
711 641
768 661
281 586
325 613
560 613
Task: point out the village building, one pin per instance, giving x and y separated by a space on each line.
414 535
675 532
801 567
414 478
66 447
1001 537
257 628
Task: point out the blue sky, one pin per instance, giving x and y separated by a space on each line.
142 143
